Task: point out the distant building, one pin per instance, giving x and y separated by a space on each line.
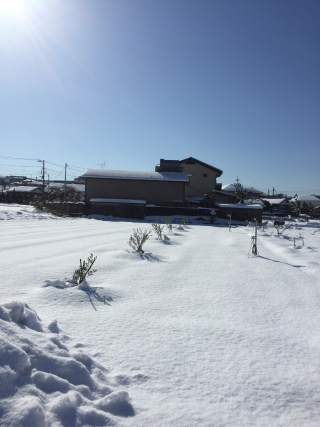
232 189
10 179
25 192
299 200
124 193
202 177
168 166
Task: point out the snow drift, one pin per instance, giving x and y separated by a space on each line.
45 384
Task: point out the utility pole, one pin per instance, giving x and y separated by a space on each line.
65 181
43 174
42 161
237 180
273 192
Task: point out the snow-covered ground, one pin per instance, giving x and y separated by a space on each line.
194 332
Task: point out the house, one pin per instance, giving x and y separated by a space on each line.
202 177
224 197
312 200
32 182
279 205
168 166
11 179
24 192
232 189
125 193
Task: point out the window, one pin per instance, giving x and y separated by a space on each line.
205 175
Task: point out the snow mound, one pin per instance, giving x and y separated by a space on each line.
44 384
22 212
62 284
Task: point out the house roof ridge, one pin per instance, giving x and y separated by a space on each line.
203 164
138 175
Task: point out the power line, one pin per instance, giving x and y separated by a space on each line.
20 166
77 167
60 166
17 158
23 158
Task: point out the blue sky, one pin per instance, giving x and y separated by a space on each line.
234 83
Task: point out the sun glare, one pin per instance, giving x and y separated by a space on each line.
11 7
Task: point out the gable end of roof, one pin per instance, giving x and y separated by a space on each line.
192 159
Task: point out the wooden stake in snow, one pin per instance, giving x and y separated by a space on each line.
254 238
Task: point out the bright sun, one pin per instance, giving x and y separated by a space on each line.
11 6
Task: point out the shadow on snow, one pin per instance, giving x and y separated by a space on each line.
94 295
281 262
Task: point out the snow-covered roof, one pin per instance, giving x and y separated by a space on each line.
32 182
79 187
239 206
256 201
232 187
23 189
306 199
101 200
229 187
282 201
136 175
253 190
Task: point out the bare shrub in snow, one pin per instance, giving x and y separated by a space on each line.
281 227
159 231
168 223
183 222
38 205
85 269
296 238
138 239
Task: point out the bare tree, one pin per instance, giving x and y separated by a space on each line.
241 192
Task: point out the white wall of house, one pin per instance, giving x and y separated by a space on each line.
202 180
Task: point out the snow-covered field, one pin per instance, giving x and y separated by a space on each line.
194 332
